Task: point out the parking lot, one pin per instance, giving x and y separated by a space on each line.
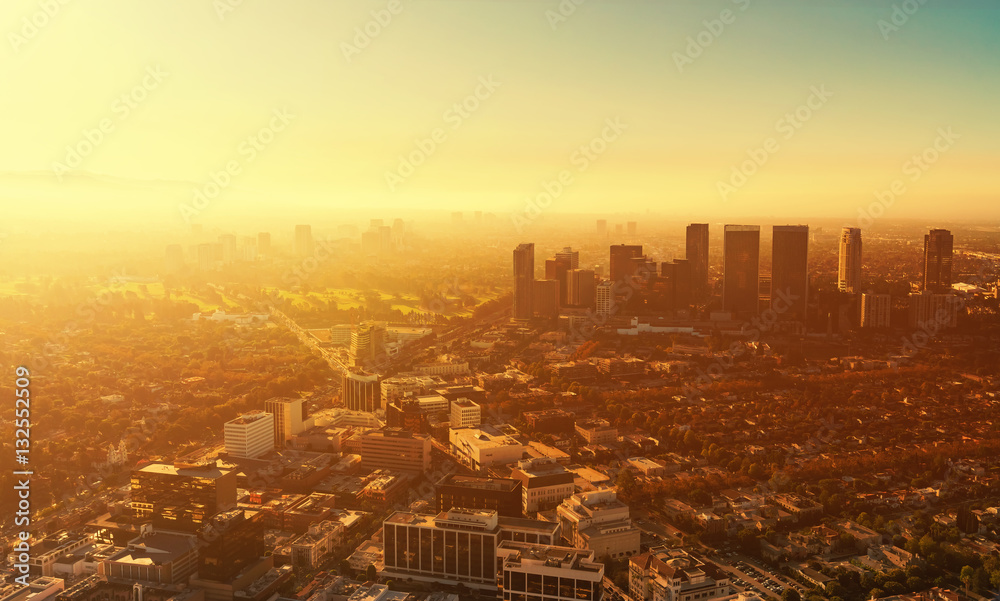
750 575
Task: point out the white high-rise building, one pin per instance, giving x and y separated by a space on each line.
605 298
250 435
465 414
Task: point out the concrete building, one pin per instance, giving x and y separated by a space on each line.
250 435
524 276
156 558
544 484
399 387
597 431
674 575
459 545
502 495
360 391
181 496
875 310
933 312
289 418
849 264
484 447
741 269
600 522
936 270
547 573
395 449
465 414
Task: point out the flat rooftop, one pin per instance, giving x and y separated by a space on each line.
181 469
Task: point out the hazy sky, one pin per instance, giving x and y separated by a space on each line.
692 105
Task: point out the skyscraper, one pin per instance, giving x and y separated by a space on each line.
621 262
937 261
524 275
582 288
849 269
303 241
697 256
558 270
741 268
360 391
790 271
572 257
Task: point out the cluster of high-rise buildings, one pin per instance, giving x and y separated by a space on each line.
639 285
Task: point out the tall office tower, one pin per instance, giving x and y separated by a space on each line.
937 261
228 242
740 268
367 341
370 243
875 310
849 265
264 245
374 224
605 299
697 255
181 496
361 391
621 264
524 276
558 269
582 288
572 257
303 241
790 271
250 435
175 258
932 312
545 298
678 284
289 416
632 227
602 227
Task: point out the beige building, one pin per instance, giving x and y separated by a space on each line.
674 575
600 522
484 447
548 573
465 414
544 484
597 431
395 449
